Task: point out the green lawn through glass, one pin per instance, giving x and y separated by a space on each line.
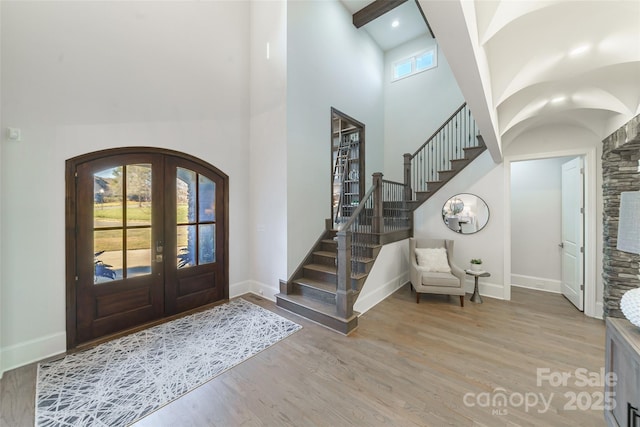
110 240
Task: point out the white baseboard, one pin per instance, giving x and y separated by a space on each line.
599 314
34 350
367 301
265 291
38 349
240 288
486 289
254 287
536 283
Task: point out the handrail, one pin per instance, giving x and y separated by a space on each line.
382 209
423 168
446 122
385 206
392 182
358 210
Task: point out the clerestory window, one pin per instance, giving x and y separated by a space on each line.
415 64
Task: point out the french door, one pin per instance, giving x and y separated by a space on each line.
146 239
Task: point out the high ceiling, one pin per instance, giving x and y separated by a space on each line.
523 65
410 23
542 63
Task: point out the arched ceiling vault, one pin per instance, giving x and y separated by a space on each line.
545 62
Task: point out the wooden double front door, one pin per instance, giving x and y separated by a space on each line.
146 238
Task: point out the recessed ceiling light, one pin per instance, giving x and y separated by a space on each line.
558 99
580 50
395 23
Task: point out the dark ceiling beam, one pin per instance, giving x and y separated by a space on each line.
425 19
374 10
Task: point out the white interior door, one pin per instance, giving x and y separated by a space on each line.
573 232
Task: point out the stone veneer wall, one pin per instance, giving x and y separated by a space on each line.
620 156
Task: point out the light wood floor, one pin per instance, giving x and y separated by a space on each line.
406 365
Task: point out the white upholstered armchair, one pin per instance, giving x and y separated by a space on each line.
432 268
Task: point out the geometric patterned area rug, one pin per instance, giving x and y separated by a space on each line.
121 381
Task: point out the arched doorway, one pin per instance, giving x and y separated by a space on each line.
146 239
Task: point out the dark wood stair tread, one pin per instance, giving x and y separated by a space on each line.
464 160
325 254
315 305
317 284
321 267
332 270
478 147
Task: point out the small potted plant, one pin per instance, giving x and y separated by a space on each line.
476 264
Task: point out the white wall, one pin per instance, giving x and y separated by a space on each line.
84 76
416 106
563 141
268 147
329 64
484 179
536 223
491 182
390 272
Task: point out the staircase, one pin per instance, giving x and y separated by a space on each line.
327 283
313 290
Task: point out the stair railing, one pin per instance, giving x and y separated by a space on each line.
382 209
447 143
394 207
348 237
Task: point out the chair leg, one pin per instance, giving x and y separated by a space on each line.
417 297
461 300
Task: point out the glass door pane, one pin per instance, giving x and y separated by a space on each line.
107 206
138 252
107 257
122 239
139 195
195 228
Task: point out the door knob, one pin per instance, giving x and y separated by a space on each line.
159 249
561 245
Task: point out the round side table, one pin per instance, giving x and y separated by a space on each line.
476 294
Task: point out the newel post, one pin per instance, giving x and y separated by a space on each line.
344 294
407 176
377 225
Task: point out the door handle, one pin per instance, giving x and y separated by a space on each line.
159 249
561 245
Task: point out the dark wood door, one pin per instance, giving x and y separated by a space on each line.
119 217
195 236
149 239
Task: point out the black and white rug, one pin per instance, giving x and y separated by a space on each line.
121 381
